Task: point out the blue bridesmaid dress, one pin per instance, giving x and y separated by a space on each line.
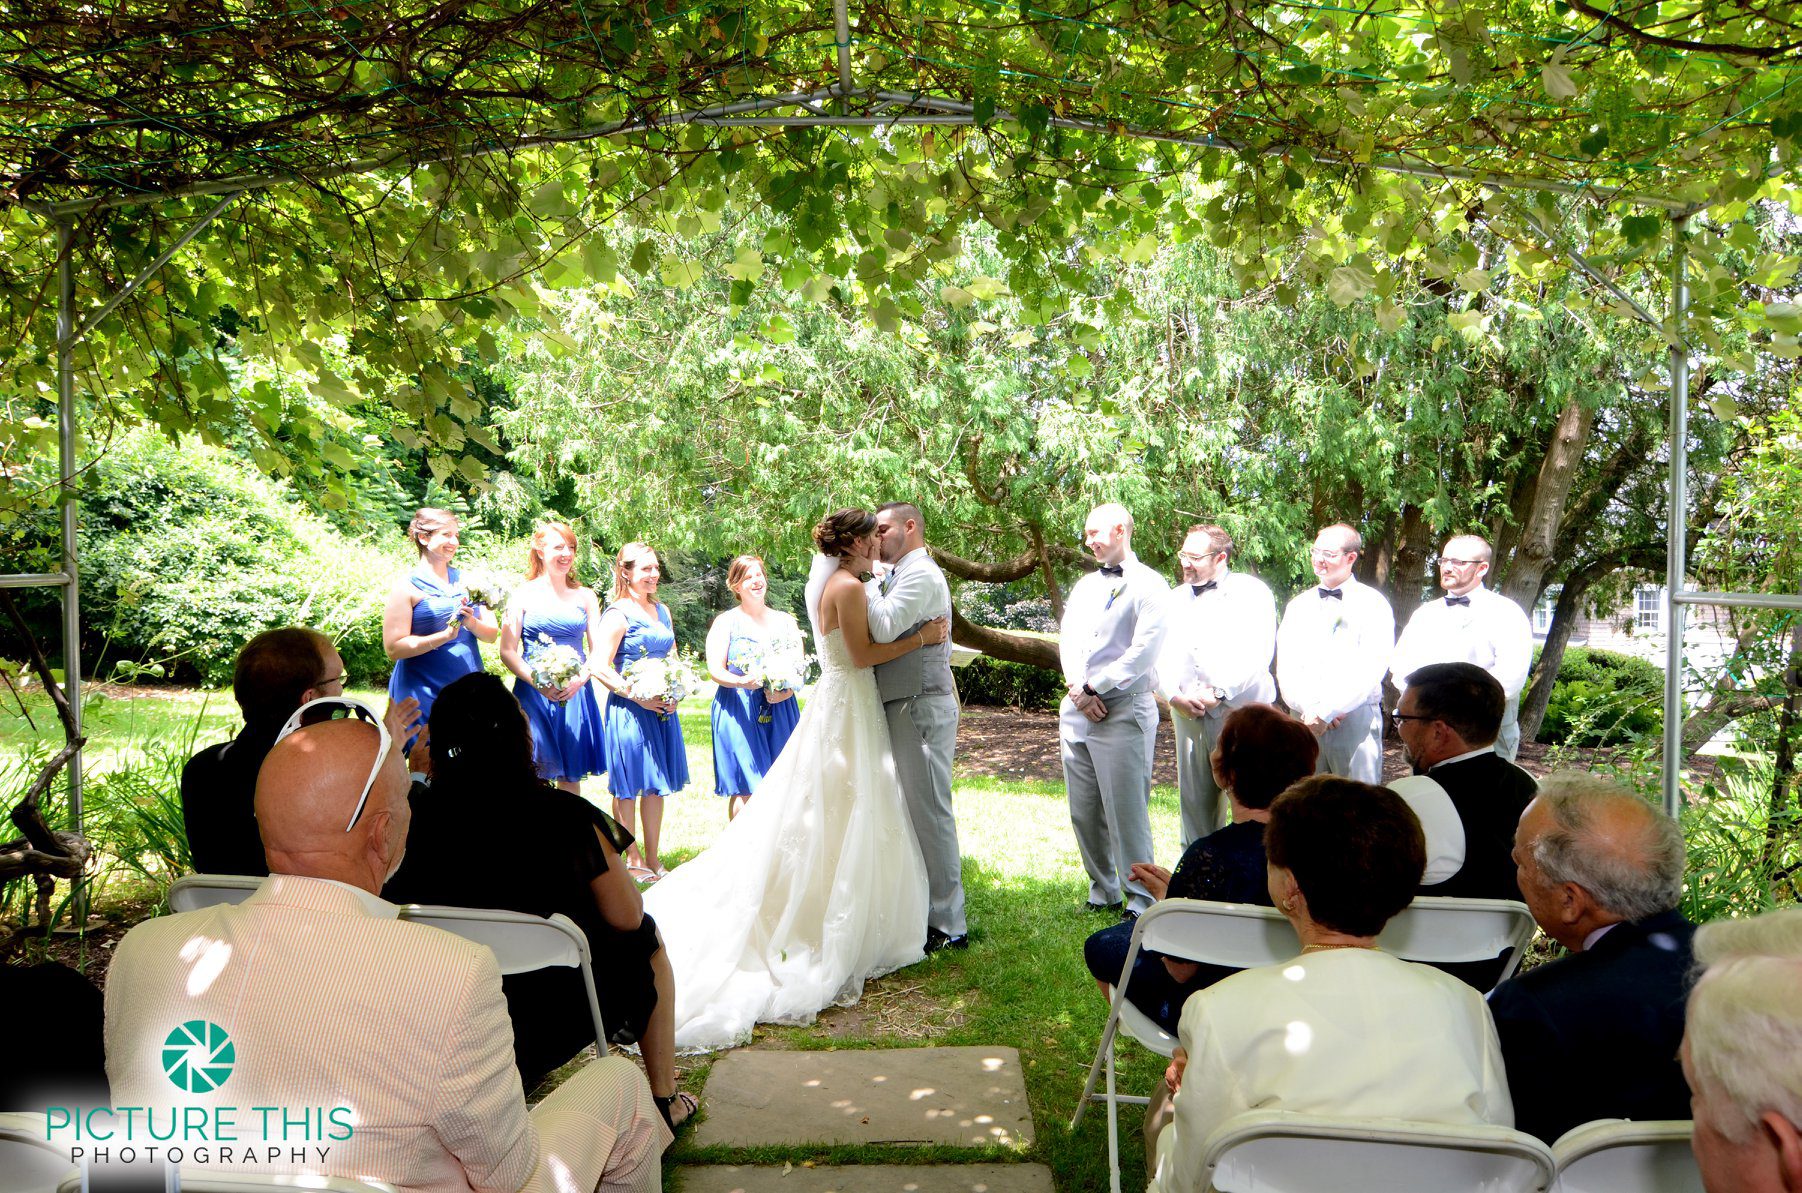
566 736
748 731
425 675
645 754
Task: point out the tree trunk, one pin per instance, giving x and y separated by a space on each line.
1007 570
1052 590
1001 644
1564 619
1785 763
1533 556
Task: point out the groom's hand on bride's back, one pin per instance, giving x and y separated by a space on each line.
935 631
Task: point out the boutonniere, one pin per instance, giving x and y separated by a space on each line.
1114 596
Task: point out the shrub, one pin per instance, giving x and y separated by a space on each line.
1603 699
1018 685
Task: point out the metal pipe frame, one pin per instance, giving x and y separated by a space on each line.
1676 526
1739 600
65 457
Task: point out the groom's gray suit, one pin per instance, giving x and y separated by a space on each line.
921 704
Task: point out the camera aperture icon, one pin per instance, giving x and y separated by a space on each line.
198 1056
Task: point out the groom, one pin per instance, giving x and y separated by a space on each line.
921 704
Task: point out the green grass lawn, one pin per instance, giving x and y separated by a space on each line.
1021 984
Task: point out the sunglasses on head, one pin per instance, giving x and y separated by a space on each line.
338 708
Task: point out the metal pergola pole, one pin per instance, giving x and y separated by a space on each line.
1676 520
65 453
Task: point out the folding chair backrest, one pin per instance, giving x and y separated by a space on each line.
1617 1156
520 942
1237 935
191 892
1277 1152
29 1163
1439 930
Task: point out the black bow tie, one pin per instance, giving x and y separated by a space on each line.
1201 588
1458 600
1118 569
1330 592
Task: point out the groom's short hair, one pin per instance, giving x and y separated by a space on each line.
904 510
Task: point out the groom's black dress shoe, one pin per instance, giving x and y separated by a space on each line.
1102 906
936 940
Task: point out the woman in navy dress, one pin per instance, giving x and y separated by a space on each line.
751 724
429 628
551 608
646 759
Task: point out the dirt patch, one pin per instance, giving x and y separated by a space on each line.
1017 743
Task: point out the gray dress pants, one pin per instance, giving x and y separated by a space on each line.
1107 777
923 734
1355 749
1204 804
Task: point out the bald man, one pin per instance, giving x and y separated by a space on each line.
1595 1034
392 1036
1470 624
1107 726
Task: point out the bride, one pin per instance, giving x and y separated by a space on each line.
818 883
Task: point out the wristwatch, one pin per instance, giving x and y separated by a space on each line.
1217 693
1089 691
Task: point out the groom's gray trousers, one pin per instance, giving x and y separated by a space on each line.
923 734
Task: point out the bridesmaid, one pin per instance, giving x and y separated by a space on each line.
750 725
566 721
429 629
646 759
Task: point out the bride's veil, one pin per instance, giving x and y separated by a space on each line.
823 567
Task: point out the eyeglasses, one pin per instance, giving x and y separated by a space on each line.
336 708
1459 563
1399 717
1317 553
1191 557
337 679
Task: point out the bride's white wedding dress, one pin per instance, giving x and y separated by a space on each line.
816 886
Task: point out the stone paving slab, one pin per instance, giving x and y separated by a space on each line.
869 1178
969 1097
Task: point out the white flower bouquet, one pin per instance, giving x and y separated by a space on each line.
487 588
669 678
783 667
551 664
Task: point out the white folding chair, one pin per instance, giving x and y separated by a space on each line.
1237 935
1274 1151
191 892
28 1162
1440 931
1617 1156
199 1182
521 943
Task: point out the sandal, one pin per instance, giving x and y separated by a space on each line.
643 875
681 1100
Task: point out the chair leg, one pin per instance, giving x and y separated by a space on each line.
1113 1126
1088 1089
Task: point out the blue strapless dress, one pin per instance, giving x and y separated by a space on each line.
748 731
566 737
424 676
645 754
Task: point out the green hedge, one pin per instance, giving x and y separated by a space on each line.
1018 685
1603 698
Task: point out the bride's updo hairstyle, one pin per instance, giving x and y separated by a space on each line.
838 533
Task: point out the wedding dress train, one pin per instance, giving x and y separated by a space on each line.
815 887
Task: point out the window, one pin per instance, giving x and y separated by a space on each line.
1648 607
1542 612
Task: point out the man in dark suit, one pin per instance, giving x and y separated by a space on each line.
1595 1034
1467 797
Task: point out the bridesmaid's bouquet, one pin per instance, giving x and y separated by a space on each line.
551 664
669 678
487 588
783 667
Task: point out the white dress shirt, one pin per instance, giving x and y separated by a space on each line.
1492 631
1344 1031
907 595
1113 627
1223 639
1332 652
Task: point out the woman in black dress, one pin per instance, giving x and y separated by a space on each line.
489 832
1260 752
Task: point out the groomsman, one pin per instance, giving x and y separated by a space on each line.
1220 632
1332 652
1108 644
1471 624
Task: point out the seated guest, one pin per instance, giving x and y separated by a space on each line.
1595 1035
481 761
1341 1029
65 1067
1468 797
1259 753
330 1002
1740 1054
276 672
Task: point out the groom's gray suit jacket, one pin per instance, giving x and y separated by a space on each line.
920 700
